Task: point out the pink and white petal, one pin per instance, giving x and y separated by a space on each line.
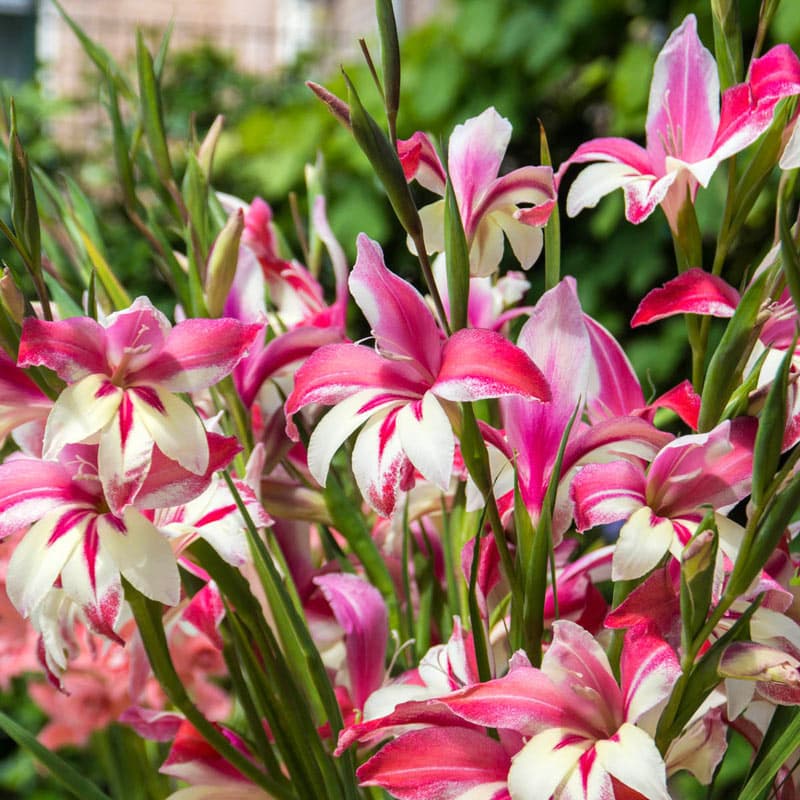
73 348
576 663
700 747
545 762
597 180
91 579
337 425
649 669
199 353
525 700
135 335
173 425
475 152
380 466
436 762
692 292
683 400
642 198
643 541
168 484
335 251
427 439
478 363
605 493
683 109
29 489
142 554
486 248
361 611
420 162
39 557
124 456
526 240
527 186
632 757
336 371
399 317
81 411
613 389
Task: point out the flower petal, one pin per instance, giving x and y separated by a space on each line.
73 348
643 541
142 555
198 353
605 493
400 319
37 560
436 762
692 292
543 764
173 425
81 410
361 611
479 363
427 439
632 758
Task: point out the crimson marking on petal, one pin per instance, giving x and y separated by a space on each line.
150 396
101 617
69 519
380 400
91 545
105 388
416 410
387 430
585 764
215 515
125 418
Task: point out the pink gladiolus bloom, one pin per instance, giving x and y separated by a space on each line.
77 541
123 376
22 402
567 730
587 372
664 505
401 390
515 206
688 133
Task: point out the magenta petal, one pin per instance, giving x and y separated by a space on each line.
361 611
441 763
72 348
283 350
683 400
420 161
692 292
479 363
605 493
401 321
198 353
29 488
169 484
683 110
614 390
613 149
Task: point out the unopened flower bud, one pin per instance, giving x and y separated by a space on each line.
222 263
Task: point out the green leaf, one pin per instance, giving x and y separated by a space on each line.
150 105
552 230
789 256
113 288
60 770
121 147
390 61
697 578
727 41
98 54
771 427
457 260
727 364
383 157
779 742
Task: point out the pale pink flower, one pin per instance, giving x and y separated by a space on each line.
688 133
514 206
